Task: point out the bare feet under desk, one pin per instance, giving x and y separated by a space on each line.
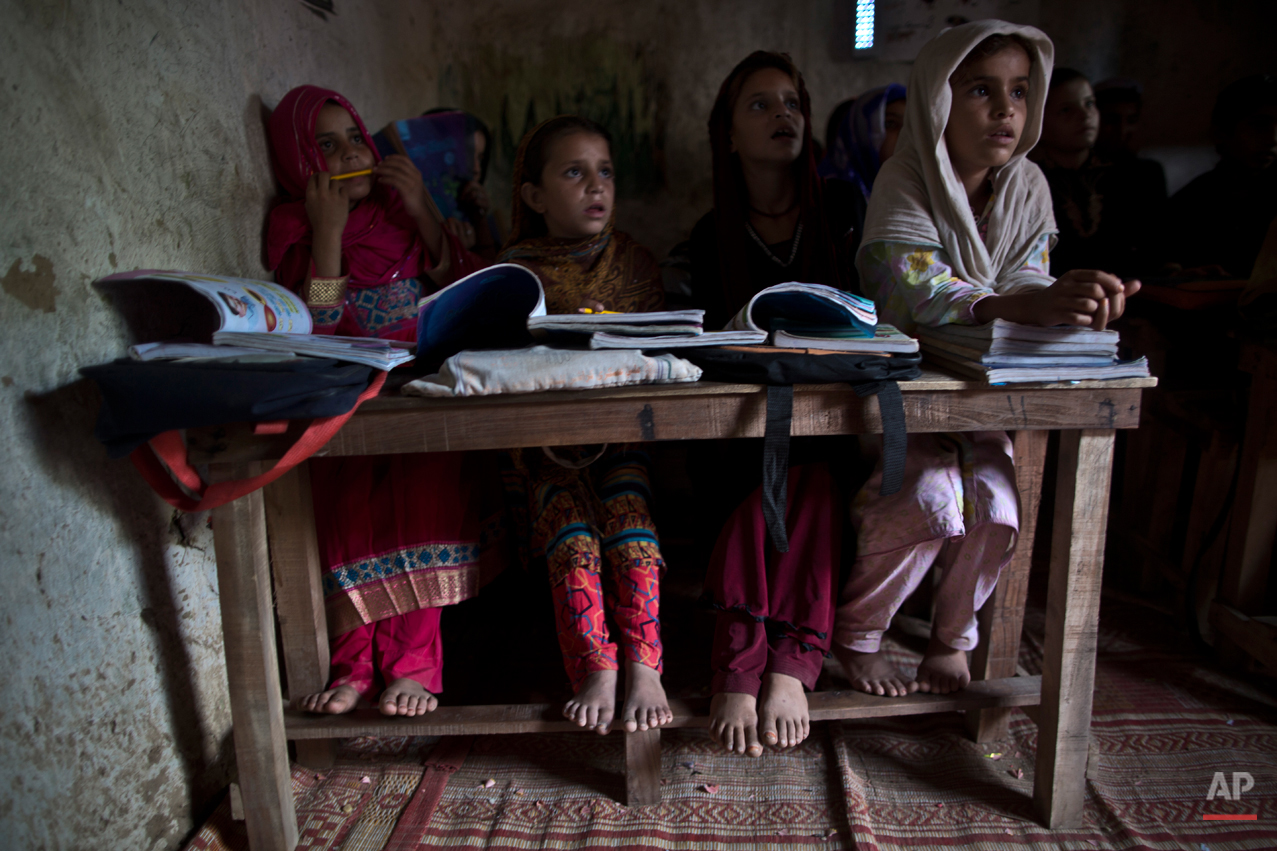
646 705
873 673
943 670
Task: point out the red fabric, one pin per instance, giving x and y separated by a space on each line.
446 758
163 459
580 618
790 596
405 646
402 532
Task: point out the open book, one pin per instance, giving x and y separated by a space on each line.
488 309
812 305
185 306
185 311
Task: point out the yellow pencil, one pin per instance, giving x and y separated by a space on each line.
587 310
348 175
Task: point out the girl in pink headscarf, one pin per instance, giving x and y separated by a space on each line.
361 251
399 536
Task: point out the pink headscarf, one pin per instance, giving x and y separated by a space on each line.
381 242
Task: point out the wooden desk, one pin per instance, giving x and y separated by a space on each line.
1087 413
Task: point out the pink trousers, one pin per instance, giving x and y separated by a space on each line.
401 646
879 584
958 510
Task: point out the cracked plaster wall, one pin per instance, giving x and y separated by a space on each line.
139 143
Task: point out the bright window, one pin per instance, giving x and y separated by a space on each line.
864 24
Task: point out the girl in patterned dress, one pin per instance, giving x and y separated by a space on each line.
957 231
399 535
584 510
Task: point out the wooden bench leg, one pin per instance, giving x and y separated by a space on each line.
252 669
1002 616
1072 621
1253 527
299 598
643 768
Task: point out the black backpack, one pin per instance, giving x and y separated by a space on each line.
780 370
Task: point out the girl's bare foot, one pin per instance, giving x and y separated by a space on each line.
872 673
783 718
595 704
645 703
334 701
406 697
733 722
943 669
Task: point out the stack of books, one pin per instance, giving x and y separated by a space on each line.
664 329
883 340
1004 352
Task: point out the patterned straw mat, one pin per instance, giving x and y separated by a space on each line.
1165 721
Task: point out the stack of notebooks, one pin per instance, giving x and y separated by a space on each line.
665 329
884 339
1007 353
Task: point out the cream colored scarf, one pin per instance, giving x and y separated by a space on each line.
918 198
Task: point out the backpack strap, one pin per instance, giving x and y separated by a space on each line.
891 408
780 416
163 459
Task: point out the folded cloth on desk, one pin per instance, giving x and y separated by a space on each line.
490 372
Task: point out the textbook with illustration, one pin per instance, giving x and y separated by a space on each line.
809 305
186 311
162 306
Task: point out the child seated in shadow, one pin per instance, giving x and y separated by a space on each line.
1221 217
584 510
774 220
399 535
958 231
1106 211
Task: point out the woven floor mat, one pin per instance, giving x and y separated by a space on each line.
1165 722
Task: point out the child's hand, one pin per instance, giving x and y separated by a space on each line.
398 171
1084 297
591 305
473 198
327 205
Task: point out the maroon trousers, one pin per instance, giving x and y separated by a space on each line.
776 610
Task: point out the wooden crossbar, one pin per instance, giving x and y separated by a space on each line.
548 718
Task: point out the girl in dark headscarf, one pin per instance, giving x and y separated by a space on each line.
866 137
774 218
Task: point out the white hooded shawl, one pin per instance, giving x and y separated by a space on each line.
918 198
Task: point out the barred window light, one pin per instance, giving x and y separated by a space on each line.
864 24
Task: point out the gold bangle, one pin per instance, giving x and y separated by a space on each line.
326 292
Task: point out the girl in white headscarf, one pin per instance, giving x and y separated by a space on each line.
958 231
